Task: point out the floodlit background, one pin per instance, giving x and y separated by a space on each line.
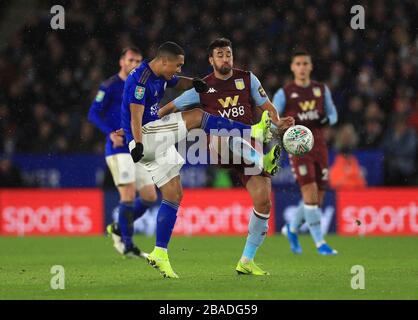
48 79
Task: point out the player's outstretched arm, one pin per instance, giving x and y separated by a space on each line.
167 109
186 83
280 123
262 101
137 110
187 99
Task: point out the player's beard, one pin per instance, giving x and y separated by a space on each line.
224 70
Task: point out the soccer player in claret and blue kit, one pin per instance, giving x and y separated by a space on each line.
310 103
237 95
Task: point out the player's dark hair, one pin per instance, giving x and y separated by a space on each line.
219 43
130 48
300 53
170 48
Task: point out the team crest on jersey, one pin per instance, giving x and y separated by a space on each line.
240 84
100 96
317 92
303 170
154 109
139 92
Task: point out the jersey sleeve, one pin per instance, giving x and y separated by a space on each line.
98 107
173 82
330 108
257 91
136 92
279 101
188 98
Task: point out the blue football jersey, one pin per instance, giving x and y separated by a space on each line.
145 88
105 111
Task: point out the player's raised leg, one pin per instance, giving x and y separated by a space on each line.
259 188
211 124
243 149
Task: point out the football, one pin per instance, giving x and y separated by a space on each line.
298 140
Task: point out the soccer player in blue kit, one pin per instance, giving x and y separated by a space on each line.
104 113
151 140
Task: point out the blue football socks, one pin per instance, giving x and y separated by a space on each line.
126 222
211 122
166 219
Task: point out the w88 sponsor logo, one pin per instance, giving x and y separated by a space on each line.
233 112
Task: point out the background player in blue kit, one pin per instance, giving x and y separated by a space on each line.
151 140
105 114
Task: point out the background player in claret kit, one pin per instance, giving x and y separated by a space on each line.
232 94
105 114
151 140
310 103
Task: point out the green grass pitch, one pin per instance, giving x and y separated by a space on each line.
206 266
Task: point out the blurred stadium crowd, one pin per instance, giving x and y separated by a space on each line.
48 78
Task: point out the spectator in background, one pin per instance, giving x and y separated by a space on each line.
10 176
88 141
374 123
346 172
354 114
413 117
47 77
400 147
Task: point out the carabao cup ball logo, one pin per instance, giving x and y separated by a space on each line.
298 140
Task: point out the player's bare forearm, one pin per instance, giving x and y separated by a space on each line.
167 109
282 124
185 83
275 118
136 121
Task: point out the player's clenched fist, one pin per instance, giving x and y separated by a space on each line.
116 139
138 152
200 85
119 132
